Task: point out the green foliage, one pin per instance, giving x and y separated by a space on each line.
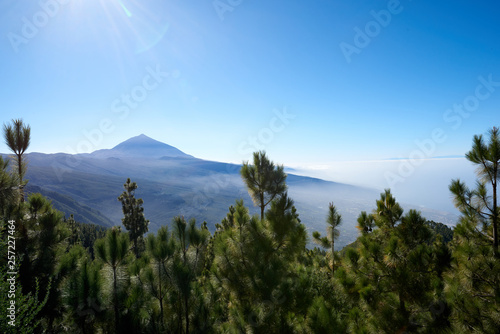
40 243
264 180
38 205
188 265
113 251
83 234
441 229
27 307
160 253
17 138
253 268
389 278
478 205
9 188
81 290
366 222
473 284
134 220
333 220
67 205
388 212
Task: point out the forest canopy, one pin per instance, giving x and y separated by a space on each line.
253 274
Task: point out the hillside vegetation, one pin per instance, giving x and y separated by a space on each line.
251 273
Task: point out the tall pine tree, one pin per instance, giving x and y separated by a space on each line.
264 180
473 283
17 137
334 219
133 220
113 251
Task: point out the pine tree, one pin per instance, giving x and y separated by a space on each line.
9 192
388 212
187 264
51 245
389 277
27 305
473 283
366 222
333 221
254 268
74 228
81 290
113 251
42 242
477 204
134 220
283 221
264 180
17 138
160 249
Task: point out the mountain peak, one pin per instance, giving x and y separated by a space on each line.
142 136
141 139
141 146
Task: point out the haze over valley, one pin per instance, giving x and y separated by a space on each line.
173 183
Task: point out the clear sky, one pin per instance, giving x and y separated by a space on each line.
311 82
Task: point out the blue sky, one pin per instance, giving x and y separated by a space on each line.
218 79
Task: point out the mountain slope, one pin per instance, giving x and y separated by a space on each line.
67 205
184 185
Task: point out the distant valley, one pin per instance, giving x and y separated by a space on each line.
174 183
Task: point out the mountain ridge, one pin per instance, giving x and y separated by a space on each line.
188 186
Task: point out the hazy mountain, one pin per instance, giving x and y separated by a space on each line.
173 183
140 146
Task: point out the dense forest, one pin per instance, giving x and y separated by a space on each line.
253 274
